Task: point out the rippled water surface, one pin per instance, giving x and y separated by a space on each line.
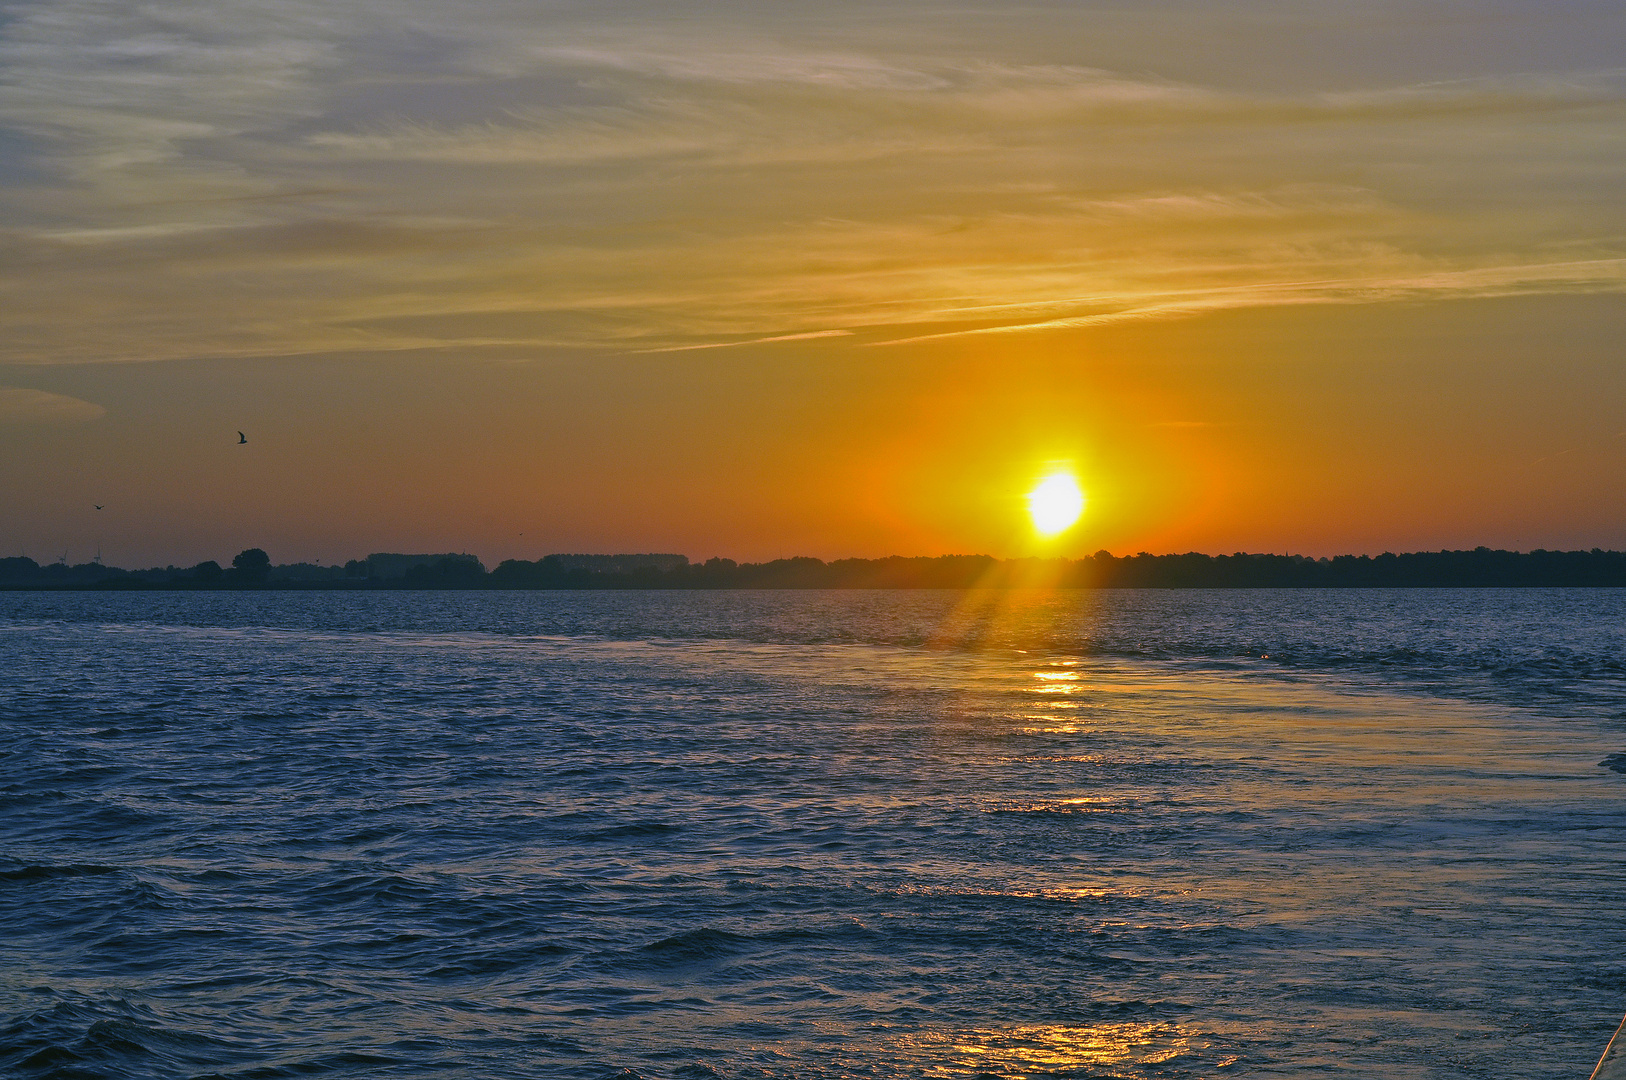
833 834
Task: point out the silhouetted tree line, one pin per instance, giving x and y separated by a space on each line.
252 569
1480 567
249 569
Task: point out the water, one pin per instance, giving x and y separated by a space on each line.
846 834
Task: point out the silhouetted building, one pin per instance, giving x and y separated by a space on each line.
386 565
620 564
301 571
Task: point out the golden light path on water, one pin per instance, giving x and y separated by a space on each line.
1111 1048
1281 861
1457 755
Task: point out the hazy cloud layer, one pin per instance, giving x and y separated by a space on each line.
182 179
22 406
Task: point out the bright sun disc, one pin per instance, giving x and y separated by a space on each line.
1055 503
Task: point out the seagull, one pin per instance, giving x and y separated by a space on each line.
241 438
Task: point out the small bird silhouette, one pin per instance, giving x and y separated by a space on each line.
241 438
98 507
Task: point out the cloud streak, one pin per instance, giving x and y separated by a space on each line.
19 405
253 181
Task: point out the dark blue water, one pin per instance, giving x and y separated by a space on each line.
847 834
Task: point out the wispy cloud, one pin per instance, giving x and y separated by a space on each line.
307 178
19 405
811 335
700 63
1584 276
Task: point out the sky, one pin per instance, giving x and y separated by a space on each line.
838 279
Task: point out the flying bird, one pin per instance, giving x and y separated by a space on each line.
98 507
241 438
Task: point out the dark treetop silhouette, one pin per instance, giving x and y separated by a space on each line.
252 569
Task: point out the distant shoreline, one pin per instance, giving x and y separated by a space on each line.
1478 568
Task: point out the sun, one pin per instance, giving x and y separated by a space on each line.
1055 503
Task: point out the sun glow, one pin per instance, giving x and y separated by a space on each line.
1055 503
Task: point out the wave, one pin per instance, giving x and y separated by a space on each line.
1559 649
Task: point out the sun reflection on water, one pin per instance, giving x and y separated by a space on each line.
1107 1049
1057 682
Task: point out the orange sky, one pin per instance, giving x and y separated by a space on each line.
1415 427
742 280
